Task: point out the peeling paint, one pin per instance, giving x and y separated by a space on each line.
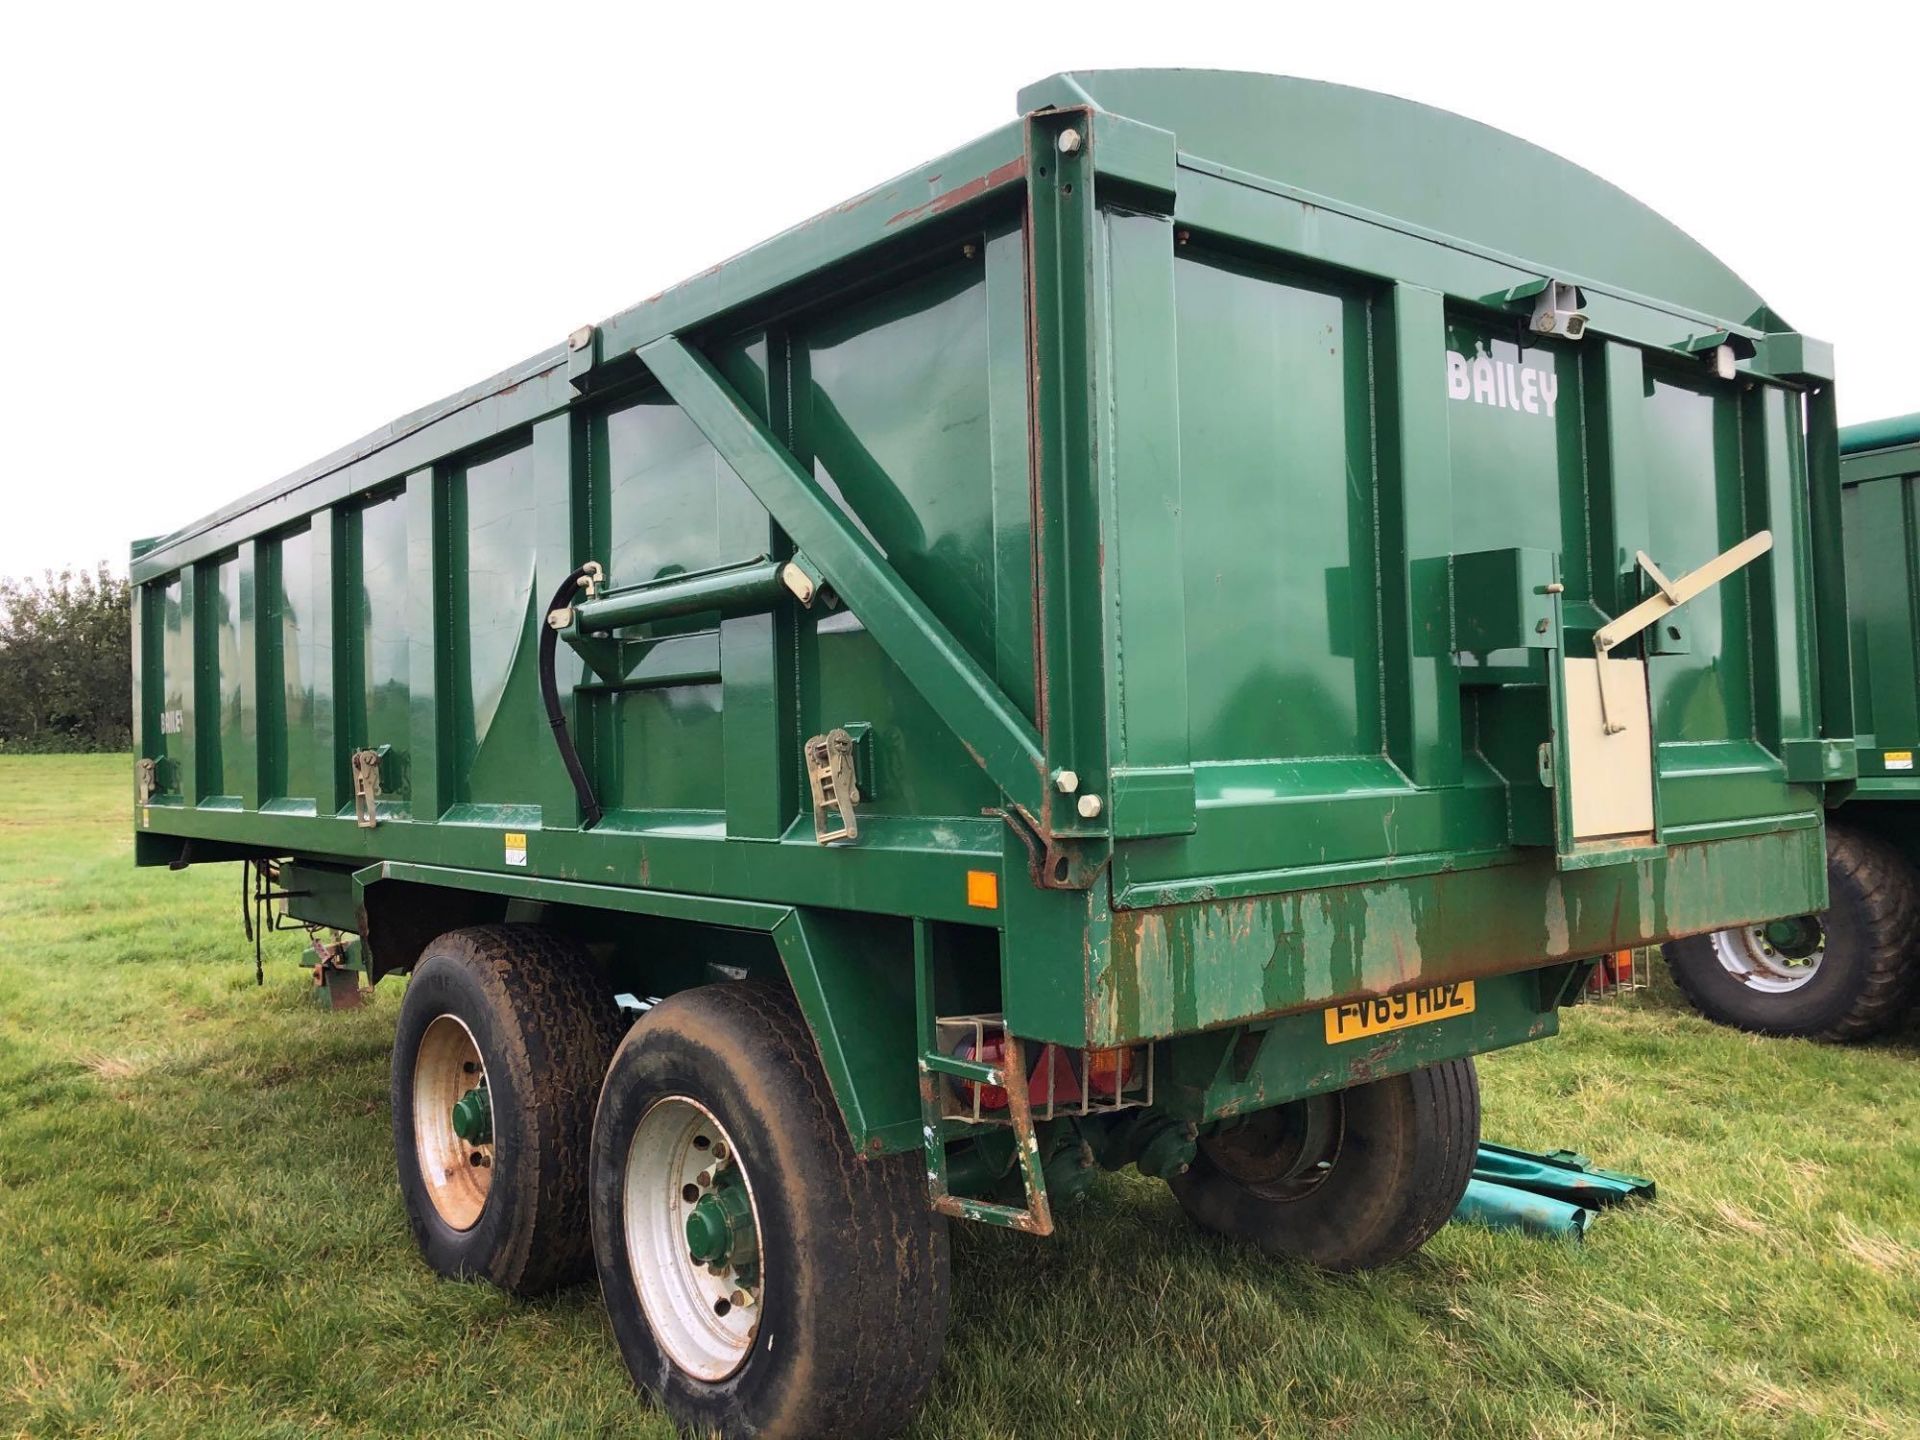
1558 941
1389 944
1178 968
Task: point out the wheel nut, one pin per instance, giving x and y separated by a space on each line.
719 1150
704 1180
741 1299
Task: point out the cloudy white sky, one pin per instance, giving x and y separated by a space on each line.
234 239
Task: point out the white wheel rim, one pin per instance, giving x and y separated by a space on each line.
458 1175
705 1322
1751 957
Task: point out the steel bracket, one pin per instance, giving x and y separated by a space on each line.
1010 1074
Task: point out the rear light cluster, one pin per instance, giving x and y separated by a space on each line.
1059 1079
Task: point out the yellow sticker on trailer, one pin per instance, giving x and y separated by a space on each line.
1357 1019
1897 759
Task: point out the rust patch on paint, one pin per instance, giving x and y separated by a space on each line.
961 194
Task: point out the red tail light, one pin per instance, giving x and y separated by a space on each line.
1109 1072
991 1050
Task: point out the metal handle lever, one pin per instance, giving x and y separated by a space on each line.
1669 595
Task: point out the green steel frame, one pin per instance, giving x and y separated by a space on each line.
1145 887
1880 470
1880 476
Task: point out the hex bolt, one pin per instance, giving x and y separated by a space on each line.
1089 807
1069 141
704 1179
719 1150
1065 781
741 1299
969 250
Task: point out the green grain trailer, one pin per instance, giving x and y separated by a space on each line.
1149 640
1850 971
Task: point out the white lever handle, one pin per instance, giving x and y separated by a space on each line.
1669 595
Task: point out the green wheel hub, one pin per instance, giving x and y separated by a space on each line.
473 1117
720 1228
1795 938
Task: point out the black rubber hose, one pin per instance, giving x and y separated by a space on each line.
550 694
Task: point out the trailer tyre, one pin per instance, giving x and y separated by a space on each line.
762 1278
1848 973
504 1035
1346 1181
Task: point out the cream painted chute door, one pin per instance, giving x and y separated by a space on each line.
1609 724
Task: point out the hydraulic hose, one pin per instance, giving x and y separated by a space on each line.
550 695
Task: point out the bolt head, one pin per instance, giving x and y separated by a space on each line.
1089 807
1069 141
1065 781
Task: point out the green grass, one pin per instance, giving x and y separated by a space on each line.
200 1233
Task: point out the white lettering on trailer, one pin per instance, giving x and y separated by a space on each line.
1502 383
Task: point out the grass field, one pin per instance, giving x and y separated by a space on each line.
200 1233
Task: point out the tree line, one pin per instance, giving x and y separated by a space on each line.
65 680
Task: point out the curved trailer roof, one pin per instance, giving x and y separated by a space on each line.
1414 163
1402 164
1880 434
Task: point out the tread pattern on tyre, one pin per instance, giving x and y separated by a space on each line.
1890 974
563 1028
1447 1098
888 1273
882 1257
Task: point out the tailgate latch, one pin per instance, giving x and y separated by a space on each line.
366 787
835 789
1668 595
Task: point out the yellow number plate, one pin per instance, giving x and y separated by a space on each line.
1357 1019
